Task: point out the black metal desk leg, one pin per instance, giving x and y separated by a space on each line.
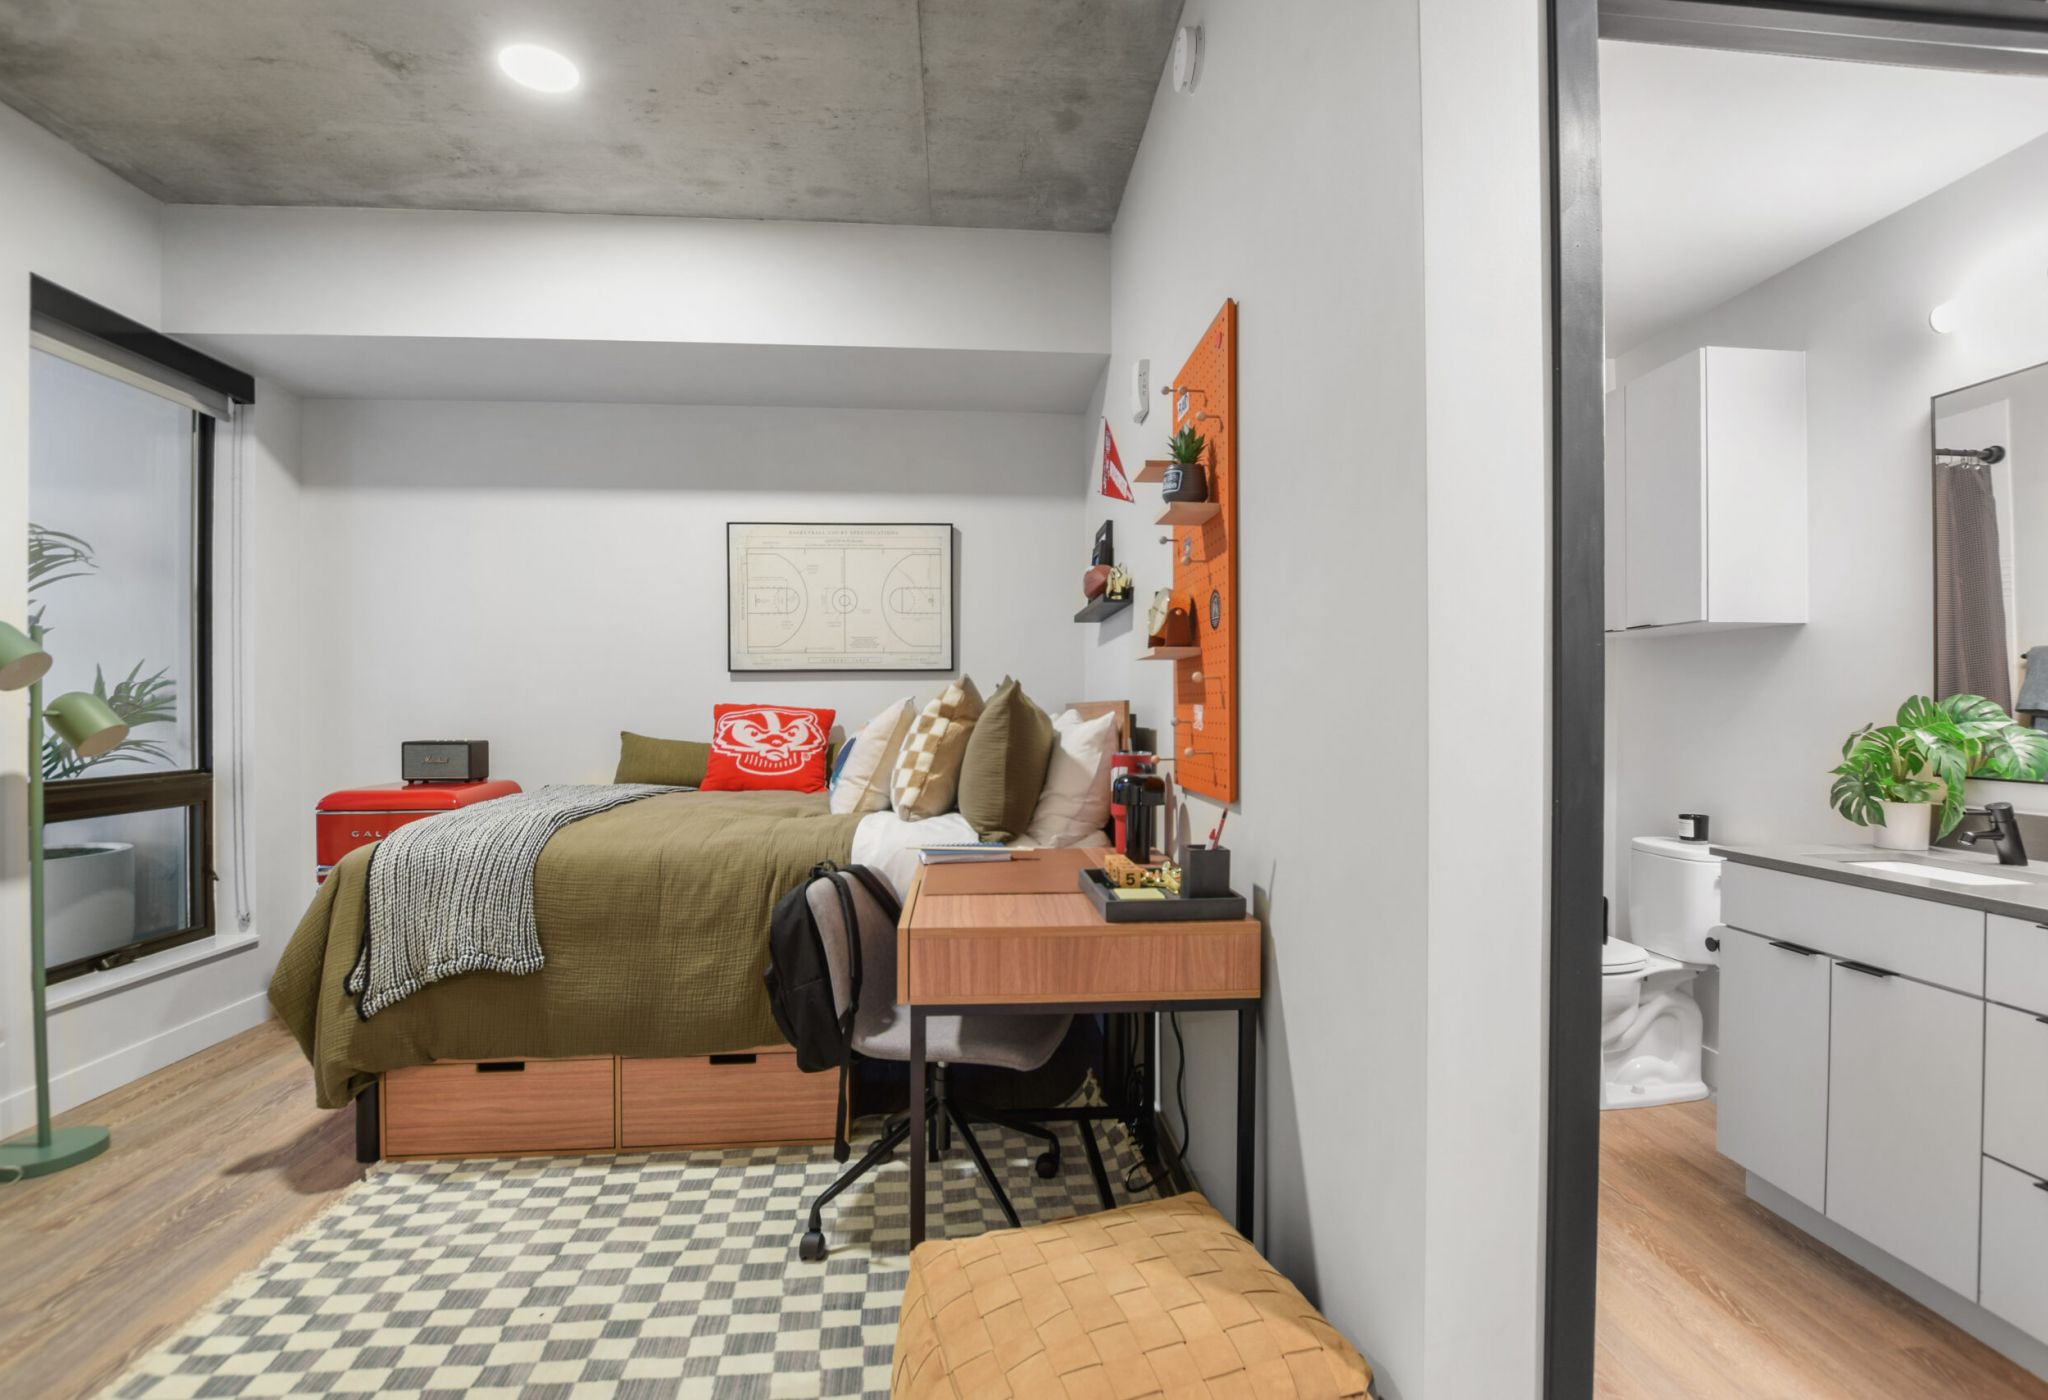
917 1126
1247 1113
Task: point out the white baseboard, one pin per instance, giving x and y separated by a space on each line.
129 1063
1994 1331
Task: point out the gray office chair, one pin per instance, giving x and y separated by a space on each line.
866 981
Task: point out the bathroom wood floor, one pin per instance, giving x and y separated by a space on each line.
1705 1294
216 1159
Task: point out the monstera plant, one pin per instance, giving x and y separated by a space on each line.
53 557
1925 757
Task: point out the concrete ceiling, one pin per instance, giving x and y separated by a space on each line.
1720 170
979 113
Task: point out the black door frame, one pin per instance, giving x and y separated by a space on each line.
1996 36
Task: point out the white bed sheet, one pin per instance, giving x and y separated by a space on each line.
887 843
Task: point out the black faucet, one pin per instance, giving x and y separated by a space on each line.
2004 830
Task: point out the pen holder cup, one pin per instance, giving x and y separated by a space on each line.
1205 872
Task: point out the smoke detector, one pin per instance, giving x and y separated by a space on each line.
1187 57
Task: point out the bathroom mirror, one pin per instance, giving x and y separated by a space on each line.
1991 543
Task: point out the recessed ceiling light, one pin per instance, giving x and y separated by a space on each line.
542 69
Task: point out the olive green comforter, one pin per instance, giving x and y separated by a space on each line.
654 920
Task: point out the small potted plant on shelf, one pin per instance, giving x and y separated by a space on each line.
1186 479
1893 776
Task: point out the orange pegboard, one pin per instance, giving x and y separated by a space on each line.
1205 571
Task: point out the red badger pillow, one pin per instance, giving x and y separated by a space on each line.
758 747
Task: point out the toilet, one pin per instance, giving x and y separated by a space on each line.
1649 1022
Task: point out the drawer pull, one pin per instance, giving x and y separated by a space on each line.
1793 948
745 1059
1865 968
2041 1186
502 1067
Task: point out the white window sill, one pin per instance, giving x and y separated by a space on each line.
78 990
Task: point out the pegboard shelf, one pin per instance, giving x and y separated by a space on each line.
1190 513
1153 471
1169 653
1103 608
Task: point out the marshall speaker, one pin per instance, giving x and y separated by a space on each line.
444 760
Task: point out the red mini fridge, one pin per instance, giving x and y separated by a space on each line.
357 816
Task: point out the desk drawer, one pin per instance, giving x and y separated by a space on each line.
2016 1088
493 1107
758 1096
1106 963
1917 938
2016 962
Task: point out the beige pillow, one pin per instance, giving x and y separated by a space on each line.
928 769
863 785
1004 769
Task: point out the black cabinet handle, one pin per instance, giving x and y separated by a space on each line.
1793 948
2041 1186
502 1067
1865 968
737 1059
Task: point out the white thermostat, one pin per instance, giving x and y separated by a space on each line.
1141 390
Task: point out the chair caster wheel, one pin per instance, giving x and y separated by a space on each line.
1048 1164
811 1248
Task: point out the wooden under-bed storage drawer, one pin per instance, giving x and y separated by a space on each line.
494 1107
724 1100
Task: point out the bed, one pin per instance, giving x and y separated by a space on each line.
649 1025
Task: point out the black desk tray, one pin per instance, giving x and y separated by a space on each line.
1171 910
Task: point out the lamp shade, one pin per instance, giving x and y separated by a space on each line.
23 661
87 723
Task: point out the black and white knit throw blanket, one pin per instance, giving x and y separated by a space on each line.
454 893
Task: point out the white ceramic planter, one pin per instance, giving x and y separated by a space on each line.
88 899
1906 826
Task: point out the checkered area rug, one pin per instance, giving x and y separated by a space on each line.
636 1276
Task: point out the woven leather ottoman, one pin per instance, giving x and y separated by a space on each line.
1158 1299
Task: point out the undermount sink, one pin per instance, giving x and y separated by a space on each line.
1933 872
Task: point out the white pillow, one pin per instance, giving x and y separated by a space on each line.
1074 804
863 784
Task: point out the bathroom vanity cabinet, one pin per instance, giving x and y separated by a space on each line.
1884 1064
1706 489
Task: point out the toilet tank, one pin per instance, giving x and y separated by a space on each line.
1674 897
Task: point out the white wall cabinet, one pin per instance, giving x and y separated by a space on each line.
1905 1120
1712 472
1773 1087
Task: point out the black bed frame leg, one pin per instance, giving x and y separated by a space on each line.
367 1147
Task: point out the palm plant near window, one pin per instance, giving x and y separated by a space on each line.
53 558
1927 755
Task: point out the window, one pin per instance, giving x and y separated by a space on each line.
120 485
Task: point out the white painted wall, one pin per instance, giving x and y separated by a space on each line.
545 575
1325 173
1745 725
592 277
74 223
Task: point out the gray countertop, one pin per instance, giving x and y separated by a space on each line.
2027 898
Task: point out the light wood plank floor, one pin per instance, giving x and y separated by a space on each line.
213 1162
1705 1294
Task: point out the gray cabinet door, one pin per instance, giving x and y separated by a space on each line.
1905 1121
1772 1098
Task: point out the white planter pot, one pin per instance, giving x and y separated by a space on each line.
1906 826
88 900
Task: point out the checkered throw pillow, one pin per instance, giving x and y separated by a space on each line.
927 769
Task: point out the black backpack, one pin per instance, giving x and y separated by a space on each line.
799 977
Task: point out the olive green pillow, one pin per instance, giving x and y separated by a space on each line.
1003 772
669 762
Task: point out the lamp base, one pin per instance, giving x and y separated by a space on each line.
68 1147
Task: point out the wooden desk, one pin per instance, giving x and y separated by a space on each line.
1019 935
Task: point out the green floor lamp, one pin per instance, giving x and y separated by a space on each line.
90 726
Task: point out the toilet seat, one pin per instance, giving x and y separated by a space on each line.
1621 959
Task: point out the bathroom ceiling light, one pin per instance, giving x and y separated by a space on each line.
1942 319
537 67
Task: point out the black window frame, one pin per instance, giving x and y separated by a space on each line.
190 790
